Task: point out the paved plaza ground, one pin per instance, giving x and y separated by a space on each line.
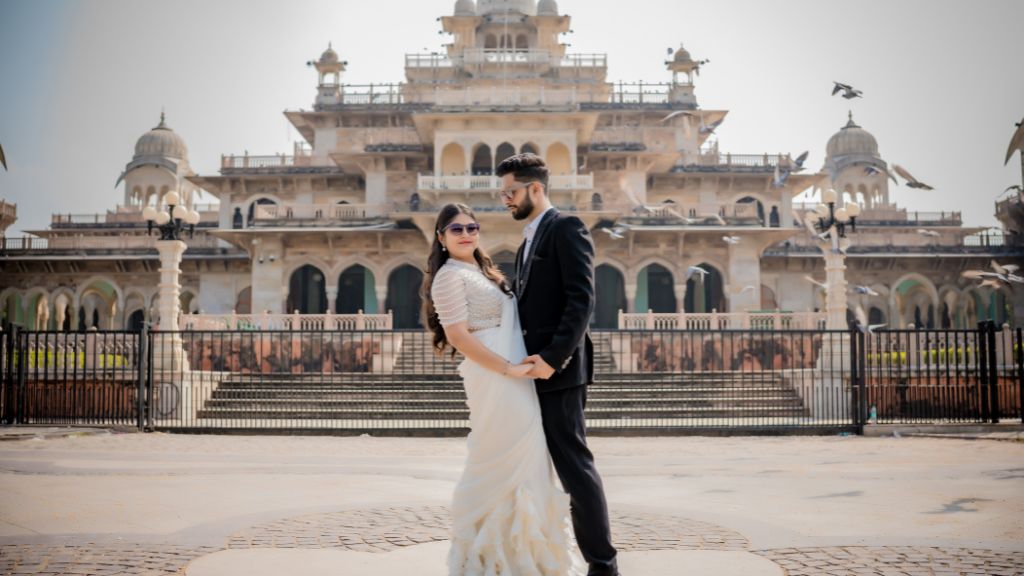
132 503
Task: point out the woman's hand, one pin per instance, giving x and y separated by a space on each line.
520 370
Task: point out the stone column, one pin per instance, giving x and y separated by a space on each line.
168 353
835 279
631 298
268 281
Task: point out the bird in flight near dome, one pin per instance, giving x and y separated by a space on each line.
911 181
848 91
1016 141
3 159
615 233
874 171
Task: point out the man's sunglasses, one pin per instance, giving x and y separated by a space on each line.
458 229
508 193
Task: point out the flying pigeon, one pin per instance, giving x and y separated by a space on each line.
865 290
710 128
3 159
615 233
816 283
677 113
696 270
848 91
731 240
911 181
874 171
862 321
1016 141
928 233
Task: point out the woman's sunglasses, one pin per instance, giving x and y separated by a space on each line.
458 229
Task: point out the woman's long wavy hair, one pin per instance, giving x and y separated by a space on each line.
437 259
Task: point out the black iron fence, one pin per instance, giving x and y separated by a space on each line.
646 381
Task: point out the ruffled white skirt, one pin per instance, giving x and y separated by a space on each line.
510 516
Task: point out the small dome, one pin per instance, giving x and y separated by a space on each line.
682 55
465 8
527 7
851 139
329 56
547 8
161 141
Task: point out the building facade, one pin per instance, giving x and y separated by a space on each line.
343 224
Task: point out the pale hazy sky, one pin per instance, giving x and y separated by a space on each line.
80 81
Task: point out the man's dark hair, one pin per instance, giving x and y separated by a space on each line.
526 167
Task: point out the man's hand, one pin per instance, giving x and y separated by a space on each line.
540 367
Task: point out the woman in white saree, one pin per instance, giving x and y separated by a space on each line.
510 517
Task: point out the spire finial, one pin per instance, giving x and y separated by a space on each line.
163 118
849 114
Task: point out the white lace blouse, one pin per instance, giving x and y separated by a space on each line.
462 293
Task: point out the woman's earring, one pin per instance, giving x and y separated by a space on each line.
444 248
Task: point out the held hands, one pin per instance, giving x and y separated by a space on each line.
519 370
541 369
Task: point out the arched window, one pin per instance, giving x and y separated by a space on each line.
760 206
252 209
521 42
482 160
529 147
453 160
558 159
505 150
491 42
404 296
356 291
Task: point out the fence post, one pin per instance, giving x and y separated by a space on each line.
981 362
19 378
1018 354
143 336
993 371
855 409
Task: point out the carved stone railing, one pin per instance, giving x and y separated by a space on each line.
293 321
777 320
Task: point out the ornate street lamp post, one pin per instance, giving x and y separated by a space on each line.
833 224
171 223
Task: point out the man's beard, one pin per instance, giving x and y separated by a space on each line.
523 210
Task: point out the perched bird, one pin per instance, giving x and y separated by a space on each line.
696 270
816 283
677 113
911 181
848 91
3 159
862 321
731 240
865 290
615 233
1016 141
928 233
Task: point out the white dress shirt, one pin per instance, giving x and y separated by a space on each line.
531 230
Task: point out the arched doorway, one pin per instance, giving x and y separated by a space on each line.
482 160
609 295
243 302
307 291
655 290
404 296
704 292
356 291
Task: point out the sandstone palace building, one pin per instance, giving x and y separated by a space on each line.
343 224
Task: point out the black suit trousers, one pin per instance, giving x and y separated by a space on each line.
565 429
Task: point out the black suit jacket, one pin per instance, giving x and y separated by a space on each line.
555 288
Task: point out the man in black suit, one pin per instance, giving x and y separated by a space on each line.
555 288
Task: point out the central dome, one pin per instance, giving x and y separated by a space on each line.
161 141
851 139
528 7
